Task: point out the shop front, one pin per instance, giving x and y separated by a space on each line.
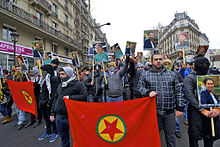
64 61
7 55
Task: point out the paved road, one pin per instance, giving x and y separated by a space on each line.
28 137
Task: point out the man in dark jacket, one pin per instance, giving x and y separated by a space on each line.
136 71
48 87
197 114
164 84
94 87
69 88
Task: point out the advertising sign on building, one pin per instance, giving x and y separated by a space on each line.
9 47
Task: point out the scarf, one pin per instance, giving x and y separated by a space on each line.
64 84
46 79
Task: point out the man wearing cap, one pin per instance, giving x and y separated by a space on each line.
114 86
70 88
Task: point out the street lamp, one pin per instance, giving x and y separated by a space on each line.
107 24
14 36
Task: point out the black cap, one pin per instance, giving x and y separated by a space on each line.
55 61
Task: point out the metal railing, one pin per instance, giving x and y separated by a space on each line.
4 4
44 3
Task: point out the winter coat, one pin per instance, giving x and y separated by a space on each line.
134 78
115 83
44 97
94 89
199 125
75 90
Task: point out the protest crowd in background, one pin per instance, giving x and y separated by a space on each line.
125 77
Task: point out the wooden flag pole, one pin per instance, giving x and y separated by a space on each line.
212 125
104 73
39 65
77 73
184 60
93 67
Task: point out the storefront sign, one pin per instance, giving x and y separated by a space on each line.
9 47
63 60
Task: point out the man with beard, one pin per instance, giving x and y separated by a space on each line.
197 115
48 87
55 65
164 85
70 88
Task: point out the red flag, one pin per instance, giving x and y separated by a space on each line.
23 96
117 124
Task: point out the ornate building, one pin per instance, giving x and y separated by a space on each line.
182 23
63 26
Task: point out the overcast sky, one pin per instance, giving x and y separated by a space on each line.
129 18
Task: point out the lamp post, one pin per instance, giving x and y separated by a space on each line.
14 36
106 24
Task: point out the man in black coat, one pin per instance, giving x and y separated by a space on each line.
94 87
196 114
48 87
70 88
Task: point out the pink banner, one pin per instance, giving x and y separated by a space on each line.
9 47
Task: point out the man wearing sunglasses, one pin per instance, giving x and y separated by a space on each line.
164 85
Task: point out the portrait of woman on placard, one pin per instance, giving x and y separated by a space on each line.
209 97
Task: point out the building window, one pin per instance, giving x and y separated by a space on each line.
66 19
39 15
6 33
54 25
54 48
39 18
54 10
66 5
66 51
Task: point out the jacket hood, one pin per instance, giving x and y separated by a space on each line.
68 71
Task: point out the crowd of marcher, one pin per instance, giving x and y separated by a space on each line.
173 82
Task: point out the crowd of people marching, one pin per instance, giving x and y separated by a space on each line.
172 82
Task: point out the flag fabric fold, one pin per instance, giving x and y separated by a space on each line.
23 96
116 124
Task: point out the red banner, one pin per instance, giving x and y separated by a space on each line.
117 124
23 96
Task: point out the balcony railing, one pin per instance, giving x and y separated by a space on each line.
44 3
55 14
4 4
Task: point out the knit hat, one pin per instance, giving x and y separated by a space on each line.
112 64
202 70
68 71
55 61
